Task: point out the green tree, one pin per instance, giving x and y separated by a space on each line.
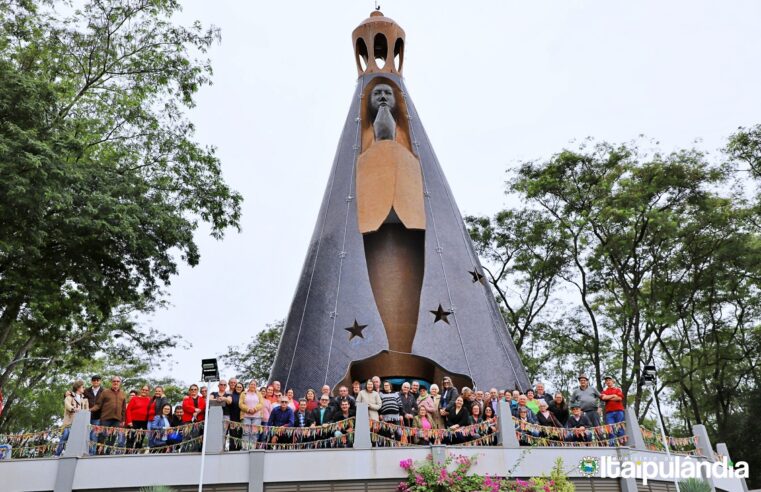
256 359
663 252
101 182
524 256
623 210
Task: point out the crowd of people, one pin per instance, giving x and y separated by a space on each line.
117 418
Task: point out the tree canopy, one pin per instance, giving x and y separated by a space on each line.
102 184
620 257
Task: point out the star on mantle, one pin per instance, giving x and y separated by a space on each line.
356 330
441 315
477 277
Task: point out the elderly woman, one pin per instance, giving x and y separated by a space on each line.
435 415
524 427
545 417
424 399
372 398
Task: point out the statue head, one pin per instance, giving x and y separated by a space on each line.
382 95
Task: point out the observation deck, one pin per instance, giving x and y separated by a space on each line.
372 464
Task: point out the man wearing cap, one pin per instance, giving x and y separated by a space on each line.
614 403
587 397
578 424
91 394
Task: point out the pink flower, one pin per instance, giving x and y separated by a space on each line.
403 487
419 479
406 464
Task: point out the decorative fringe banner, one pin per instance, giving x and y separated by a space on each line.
298 433
405 436
687 446
32 444
532 440
489 440
139 435
190 445
343 441
608 431
387 442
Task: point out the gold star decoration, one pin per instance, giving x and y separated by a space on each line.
441 315
356 330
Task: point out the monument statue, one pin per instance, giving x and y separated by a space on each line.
391 285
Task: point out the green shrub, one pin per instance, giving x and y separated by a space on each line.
694 485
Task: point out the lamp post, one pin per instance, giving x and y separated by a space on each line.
209 374
648 379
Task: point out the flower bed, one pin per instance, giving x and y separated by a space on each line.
453 475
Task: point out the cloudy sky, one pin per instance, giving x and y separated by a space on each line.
494 82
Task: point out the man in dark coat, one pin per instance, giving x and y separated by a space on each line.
578 424
322 414
343 395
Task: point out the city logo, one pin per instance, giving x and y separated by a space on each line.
589 466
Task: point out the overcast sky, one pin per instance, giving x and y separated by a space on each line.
494 83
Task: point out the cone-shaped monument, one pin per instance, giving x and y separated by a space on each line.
391 285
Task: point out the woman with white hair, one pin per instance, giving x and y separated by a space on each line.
545 417
435 398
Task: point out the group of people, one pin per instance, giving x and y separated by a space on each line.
249 407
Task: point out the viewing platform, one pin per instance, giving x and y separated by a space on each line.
363 467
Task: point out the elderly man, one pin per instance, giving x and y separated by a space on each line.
479 400
322 414
540 393
530 417
376 383
326 391
112 404
415 389
494 400
343 396
578 424
587 397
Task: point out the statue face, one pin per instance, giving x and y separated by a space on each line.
382 95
